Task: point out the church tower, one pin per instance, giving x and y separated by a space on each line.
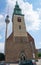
18 23
17 45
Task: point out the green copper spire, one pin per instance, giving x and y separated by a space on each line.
16 3
17 10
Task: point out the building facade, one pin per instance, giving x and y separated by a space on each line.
20 44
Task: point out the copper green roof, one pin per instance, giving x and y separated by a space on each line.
17 9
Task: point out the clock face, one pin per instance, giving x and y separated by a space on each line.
19 19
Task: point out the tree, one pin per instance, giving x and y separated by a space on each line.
2 57
39 54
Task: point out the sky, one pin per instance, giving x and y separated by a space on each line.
32 16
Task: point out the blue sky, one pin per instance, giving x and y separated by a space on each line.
32 11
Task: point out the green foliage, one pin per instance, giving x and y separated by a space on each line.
39 54
2 57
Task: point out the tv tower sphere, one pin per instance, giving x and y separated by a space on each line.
7 19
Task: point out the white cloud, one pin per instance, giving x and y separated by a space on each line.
38 45
32 18
39 12
0 37
1 47
1 16
2 21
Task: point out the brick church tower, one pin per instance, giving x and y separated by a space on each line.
20 44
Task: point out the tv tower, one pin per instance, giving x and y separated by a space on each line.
7 22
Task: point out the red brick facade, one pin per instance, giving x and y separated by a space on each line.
14 47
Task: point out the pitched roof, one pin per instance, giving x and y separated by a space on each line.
29 37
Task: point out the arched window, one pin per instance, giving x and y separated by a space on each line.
20 27
19 19
22 56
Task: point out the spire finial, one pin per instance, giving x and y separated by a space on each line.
16 3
